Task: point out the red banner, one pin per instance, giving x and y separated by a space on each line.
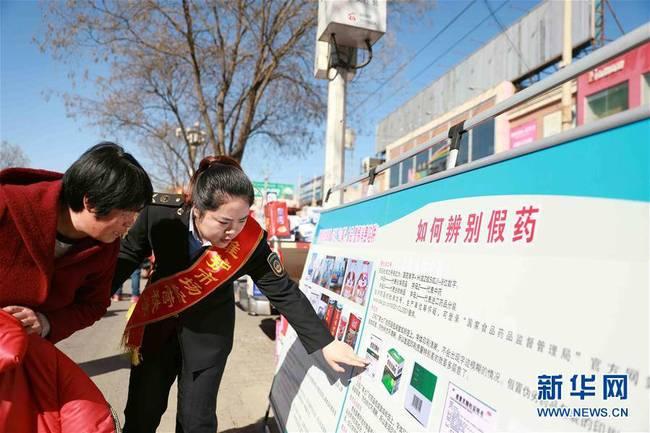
172 295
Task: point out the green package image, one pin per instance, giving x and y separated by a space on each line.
392 371
419 394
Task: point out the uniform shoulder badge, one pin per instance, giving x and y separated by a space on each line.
164 199
276 264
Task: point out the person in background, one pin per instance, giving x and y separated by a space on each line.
182 326
135 287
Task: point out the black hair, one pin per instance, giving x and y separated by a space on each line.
217 180
109 178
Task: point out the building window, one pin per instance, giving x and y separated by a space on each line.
552 124
394 176
645 88
476 143
408 172
463 151
609 101
438 158
483 140
422 164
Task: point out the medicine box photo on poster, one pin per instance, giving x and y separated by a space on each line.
338 272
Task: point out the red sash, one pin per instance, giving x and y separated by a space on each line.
169 296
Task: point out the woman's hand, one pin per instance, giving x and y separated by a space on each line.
338 352
28 318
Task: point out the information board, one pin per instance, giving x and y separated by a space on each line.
509 297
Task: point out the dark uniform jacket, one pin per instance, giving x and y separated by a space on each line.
205 330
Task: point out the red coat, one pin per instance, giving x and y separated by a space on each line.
72 291
42 390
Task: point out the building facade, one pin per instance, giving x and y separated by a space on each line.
539 117
617 85
483 140
485 78
311 192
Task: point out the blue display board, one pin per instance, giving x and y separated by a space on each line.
509 297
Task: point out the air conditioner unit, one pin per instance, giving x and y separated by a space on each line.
370 162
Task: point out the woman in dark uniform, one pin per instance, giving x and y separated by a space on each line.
183 324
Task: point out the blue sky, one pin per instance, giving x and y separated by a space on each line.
52 141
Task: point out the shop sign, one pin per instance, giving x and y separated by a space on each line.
523 134
606 70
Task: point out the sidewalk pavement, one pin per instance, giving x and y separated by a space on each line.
243 395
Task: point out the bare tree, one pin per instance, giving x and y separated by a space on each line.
242 69
11 155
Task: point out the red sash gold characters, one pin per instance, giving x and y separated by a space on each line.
171 295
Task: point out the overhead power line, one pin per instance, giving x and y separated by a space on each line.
425 46
434 61
611 9
504 31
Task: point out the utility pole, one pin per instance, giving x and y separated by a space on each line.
297 194
343 26
599 25
335 135
567 54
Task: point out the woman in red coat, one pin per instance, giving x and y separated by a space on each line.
60 236
43 390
